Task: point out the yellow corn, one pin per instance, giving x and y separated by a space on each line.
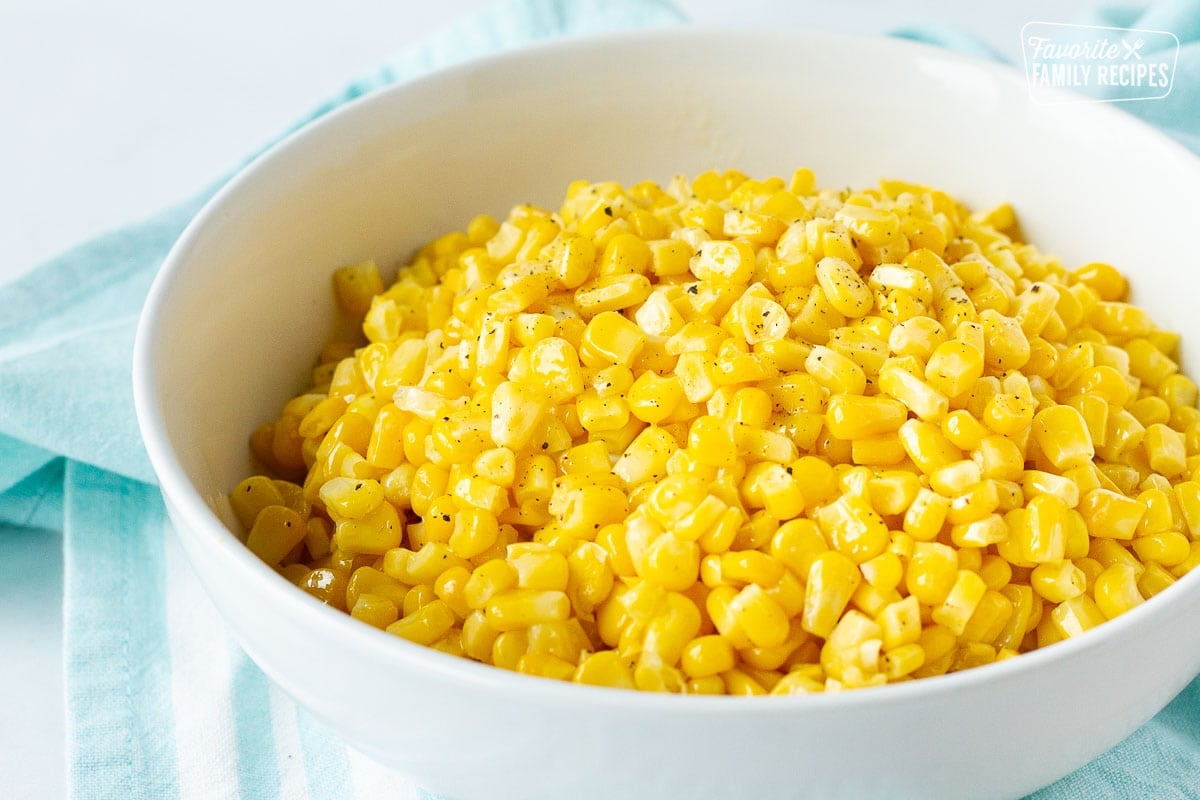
1043 536
724 261
349 498
356 285
931 572
1110 514
519 608
425 625
797 543
1168 548
1062 434
374 533
854 528
760 617
1058 581
832 579
1035 482
843 287
954 367
486 581
836 372
1075 616
1154 580
893 493
1165 450
963 430
276 530
926 446
999 458
919 396
768 485
981 532
604 668
611 339
855 416
995 571
955 478
671 562
253 495
961 601
918 336
582 428
900 623
538 566
375 610
653 398
707 655
1104 279
1187 495
903 660
924 518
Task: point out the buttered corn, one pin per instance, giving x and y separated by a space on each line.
735 436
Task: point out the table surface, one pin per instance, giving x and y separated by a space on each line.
116 110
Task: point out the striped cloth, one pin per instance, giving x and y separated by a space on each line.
161 703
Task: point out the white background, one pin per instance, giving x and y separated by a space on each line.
112 110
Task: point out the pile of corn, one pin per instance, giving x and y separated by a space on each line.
736 436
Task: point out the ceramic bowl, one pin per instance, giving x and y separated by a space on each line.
243 304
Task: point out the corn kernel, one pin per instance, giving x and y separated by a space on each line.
954 367
1075 616
843 287
931 573
1110 514
1063 435
924 518
374 533
1165 450
1116 590
926 446
836 372
831 581
920 397
356 285
855 416
425 625
519 608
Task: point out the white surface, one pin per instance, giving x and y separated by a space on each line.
704 98
113 111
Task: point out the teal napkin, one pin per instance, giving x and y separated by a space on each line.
155 708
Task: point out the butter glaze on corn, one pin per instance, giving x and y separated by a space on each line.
735 436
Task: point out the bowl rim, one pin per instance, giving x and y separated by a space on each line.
210 532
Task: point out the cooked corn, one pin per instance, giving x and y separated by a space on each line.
735 436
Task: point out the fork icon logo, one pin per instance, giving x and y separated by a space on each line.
1132 49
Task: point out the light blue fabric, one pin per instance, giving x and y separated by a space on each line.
70 456
116 662
1178 114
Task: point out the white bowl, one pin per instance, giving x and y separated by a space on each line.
243 304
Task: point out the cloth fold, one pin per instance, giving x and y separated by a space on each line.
160 704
